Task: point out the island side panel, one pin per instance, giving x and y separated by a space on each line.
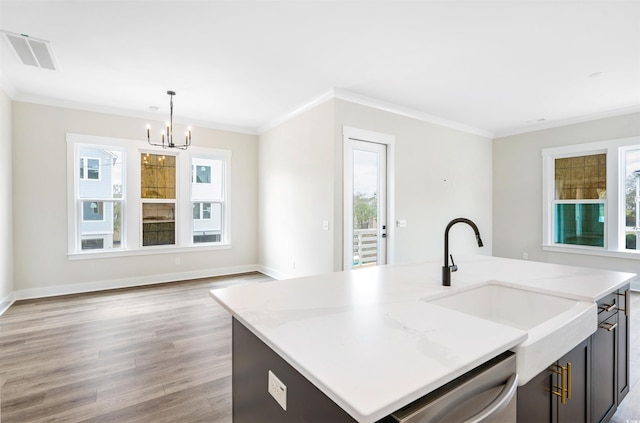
252 361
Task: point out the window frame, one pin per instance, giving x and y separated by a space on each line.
225 157
151 200
131 201
614 224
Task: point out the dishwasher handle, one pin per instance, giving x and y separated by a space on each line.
500 403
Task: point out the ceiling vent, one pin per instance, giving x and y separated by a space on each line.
32 51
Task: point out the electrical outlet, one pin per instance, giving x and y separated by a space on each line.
278 390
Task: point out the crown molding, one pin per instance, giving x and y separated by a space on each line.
349 96
47 101
408 112
566 122
329 95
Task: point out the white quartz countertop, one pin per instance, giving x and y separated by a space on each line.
367 340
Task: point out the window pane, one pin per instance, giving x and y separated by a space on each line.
93 244
581 177
92 210
158 224
202 174
101 225
206 179
93 169
579 224
632 199
196 210
158 176
100 173
209 227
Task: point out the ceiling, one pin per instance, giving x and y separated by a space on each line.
493 68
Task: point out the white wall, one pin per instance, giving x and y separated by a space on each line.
41 266
296 194
517 189
301 185
6 224
426 155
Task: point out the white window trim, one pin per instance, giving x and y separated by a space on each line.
614 244
131 217
225 201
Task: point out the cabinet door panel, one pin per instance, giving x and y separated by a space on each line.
576 407
603 371
535 402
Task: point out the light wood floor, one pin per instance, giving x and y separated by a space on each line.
150 354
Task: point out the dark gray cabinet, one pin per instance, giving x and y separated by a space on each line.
599 378
610 361
561 392
252 361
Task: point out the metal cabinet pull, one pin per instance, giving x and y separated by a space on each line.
626 302
608 326
568 380
563 390
608 307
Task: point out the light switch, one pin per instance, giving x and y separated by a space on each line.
402 223
325 225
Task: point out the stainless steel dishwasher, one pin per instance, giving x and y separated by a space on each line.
485 394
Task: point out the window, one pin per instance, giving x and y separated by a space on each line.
98 197
92 210
90 168
158 194
579 199
207 199
127 198
631 158
591 197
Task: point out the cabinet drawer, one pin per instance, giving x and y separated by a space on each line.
607 307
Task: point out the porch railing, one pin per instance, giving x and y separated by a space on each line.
365 247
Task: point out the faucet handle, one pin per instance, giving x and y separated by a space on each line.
454 267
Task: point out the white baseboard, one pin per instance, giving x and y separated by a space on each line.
273 273
78 288
6 302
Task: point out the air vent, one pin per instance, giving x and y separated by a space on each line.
32 51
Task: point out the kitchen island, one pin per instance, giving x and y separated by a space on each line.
368 340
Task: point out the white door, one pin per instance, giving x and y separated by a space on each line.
365 203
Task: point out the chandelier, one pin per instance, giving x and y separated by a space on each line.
169 132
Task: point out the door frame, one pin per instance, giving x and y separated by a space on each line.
357 134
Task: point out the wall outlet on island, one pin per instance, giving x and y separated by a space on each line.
278 390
